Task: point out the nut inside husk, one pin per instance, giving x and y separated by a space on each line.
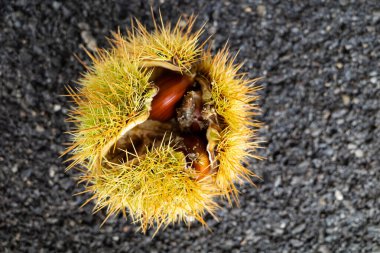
181 113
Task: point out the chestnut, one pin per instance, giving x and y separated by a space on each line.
172 88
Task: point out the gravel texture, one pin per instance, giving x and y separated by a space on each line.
321 104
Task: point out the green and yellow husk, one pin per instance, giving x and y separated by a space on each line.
115 96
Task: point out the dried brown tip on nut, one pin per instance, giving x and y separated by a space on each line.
189 115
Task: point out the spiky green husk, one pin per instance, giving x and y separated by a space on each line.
160 188
233 96
117 91
113 92
175 48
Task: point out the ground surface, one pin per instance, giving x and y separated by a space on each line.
321 102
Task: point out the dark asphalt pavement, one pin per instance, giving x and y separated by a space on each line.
320 191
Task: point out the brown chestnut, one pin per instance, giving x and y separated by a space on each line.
197 147
172 88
